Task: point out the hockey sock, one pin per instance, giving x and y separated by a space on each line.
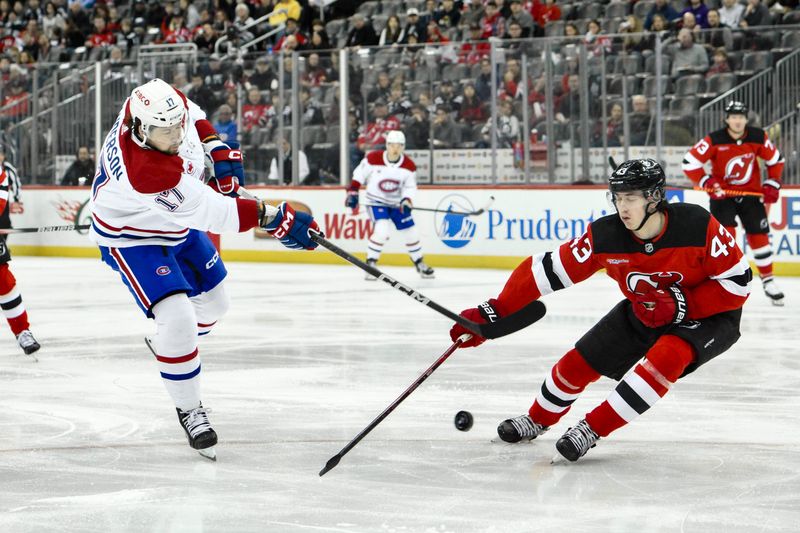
640 389
209 307
568 378
175 344
380 234
762 254
11 301
411 236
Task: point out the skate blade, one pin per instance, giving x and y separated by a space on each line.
32 356
777 303
558 459
209 453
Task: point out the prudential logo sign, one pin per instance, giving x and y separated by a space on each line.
455 230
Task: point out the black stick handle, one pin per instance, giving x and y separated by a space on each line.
333 461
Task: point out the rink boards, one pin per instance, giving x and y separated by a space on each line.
519 222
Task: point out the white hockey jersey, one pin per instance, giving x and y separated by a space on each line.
145 197
386 183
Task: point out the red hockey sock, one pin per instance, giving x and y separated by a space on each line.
568 378
762 253
641 389
11 301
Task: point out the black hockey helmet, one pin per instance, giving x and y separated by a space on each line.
638 175
735 107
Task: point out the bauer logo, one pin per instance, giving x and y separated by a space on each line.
163 270
456 231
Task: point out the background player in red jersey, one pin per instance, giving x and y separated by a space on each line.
10 298
733 152
684 280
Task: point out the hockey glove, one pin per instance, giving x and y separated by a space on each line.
484 313
713 187
352 196
660 307
405 205
291 227
772 191
228 168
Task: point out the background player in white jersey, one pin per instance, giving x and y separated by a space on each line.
150 212
390 178
10 298
684 282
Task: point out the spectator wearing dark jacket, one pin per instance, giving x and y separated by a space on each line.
700 12
662 8
362 34
81 171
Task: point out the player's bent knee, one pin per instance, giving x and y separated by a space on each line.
212 305
670 356
176 323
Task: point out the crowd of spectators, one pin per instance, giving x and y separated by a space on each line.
435 77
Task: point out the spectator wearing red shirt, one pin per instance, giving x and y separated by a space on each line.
291 30
255 113
175 31
101 36
15 103
374 134
475 49
493 24
315 74
473 109
544 13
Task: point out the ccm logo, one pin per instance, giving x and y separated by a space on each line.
235 155
211 262
283 229
408 290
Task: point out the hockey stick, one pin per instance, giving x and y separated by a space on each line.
728 192
333 461
463 213
503 326
45 229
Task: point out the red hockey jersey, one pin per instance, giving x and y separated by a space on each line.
692 250
733 162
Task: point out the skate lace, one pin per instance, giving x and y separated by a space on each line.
26 339
196 421
582 437
526 427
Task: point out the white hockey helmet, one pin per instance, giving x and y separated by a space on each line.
156 105
395 137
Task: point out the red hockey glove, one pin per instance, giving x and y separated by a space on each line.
484 313
713 187
659 307
352 196
772 191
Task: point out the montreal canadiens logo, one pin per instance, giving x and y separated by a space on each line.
739 169
163 270
641 283
389 185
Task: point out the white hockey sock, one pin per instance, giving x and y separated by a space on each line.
380 234
413 245
175 344
209 307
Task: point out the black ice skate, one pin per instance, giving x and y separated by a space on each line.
519 428
576 441
199 431
372 263
773 292
28 343
424 270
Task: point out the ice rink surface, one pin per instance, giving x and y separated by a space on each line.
309 355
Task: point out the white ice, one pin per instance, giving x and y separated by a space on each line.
309 355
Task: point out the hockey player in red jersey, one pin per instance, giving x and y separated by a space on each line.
10 297
684 280
390 178
150 214
734 152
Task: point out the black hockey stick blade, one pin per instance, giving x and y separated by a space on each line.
613 164
504 326
331 464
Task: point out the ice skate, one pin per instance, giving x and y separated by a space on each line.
576 441
424 270
201 435
773 292
28 343
373 263
519 428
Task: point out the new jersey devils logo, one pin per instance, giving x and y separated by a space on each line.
641 283
739 169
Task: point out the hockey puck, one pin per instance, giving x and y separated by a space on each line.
463 420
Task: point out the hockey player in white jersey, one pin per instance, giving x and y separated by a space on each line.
390 178
150 211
